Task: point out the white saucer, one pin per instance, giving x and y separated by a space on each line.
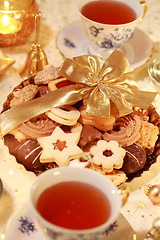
23 226
72 41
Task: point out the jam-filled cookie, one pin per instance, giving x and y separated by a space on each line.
108 155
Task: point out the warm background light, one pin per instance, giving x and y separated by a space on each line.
6 3
9 24
16 21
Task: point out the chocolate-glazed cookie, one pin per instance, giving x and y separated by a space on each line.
26 152
135 159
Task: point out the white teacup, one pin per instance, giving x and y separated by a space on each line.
105 38
63 174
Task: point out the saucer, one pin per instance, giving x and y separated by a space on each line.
72 41
22 225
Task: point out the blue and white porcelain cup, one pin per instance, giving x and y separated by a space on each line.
85 175
105 38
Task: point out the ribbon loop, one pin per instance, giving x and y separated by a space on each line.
107 87
114 66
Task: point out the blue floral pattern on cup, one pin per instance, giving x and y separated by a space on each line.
113 40
95 31
59 236
68 43
105 38
112 228
28 227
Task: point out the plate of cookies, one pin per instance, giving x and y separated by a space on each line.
120 147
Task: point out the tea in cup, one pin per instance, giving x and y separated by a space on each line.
74 203
110 23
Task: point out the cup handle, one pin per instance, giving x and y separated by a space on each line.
124 191
144 4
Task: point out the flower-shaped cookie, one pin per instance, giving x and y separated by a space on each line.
108 155
60 147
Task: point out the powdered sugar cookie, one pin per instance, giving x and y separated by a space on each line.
108 155
49 73
60 147
23 95
67 115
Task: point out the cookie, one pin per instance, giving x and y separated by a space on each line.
66 115
23 95
149 135
126 130
60 147
116 176
48 74
103 124
108 155
134 159
58 83
78 163
137 127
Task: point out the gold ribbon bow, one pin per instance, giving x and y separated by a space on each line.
108 94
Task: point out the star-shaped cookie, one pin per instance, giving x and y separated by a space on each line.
61 155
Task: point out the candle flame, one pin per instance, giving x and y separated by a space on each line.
6 3
5 20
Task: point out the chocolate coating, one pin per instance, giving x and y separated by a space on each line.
26 152
135 158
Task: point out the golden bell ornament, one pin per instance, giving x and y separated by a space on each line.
36 58
16 21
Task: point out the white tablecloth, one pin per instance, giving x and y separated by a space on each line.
139 211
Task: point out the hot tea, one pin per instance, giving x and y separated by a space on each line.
74 205
108 12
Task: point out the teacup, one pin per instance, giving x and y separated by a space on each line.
75 175
107 35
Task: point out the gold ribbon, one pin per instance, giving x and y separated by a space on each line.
108 92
